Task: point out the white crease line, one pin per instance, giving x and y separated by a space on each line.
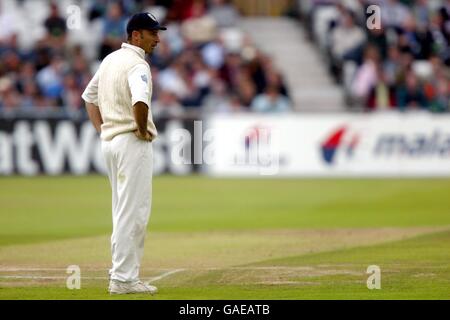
15 269
165 274
49 277
171 271
30 269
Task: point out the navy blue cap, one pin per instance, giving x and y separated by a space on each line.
145 21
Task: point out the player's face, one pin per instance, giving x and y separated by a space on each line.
149 40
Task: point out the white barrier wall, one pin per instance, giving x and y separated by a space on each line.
386 144
348 145
33 146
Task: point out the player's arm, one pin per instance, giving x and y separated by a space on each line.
138 81
95 116
90 96
140 110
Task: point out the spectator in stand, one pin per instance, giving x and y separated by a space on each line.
382 95
229 104
175 79
10 44
231 69
414 37
394 14
421 13
366 75
217 99
12 62
191 59
10 98
246 91
162 56
437 88
71 94
415 41
235 105
199 27
41 55
444 12
392 65
440 97
50 80
271 102
257 70
439 38
346 42
27 86
410 94
272 77
30 96
201 75
213 53
347 39
167 106
55 24
7 25
79 66
406 65
181 10
113 29
224 14
98 9
378 38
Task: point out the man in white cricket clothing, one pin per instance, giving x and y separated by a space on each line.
118 104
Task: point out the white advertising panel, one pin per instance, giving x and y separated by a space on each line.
385 144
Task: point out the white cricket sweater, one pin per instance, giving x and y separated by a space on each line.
122 79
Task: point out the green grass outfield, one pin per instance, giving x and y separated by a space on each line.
233 238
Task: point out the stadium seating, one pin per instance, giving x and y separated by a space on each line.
45 69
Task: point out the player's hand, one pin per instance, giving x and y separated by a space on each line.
146 137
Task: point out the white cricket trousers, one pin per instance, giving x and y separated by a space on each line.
130 166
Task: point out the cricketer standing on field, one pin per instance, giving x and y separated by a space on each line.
118 104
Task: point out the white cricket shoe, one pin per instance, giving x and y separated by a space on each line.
118 287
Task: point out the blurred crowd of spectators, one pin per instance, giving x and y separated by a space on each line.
402 65
203 62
